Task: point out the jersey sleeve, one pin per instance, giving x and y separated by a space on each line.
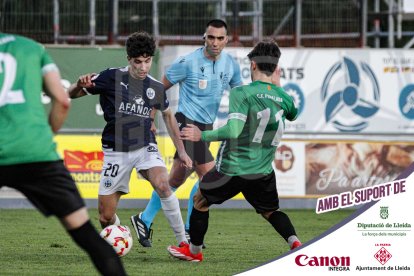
102 82
47 62
236 78
162 104
238 105
177 71
292 110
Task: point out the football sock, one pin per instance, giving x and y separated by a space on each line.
198 226
282 224
117 220
152 208
191 204
101 253
195 249
171 208
292 239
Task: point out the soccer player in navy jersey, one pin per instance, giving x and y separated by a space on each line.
202 75
128 96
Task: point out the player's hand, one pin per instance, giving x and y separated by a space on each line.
191 133
153 128
185 160
85 81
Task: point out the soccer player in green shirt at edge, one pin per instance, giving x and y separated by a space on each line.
28 158
255 126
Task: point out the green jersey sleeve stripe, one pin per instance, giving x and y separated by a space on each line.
49 68
238 116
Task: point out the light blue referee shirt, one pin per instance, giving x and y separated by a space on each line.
202 82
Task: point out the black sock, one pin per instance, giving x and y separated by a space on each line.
282 224
101 253
198 226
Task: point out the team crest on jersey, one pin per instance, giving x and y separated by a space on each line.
138 99
202 84
152 149
107 182
150 93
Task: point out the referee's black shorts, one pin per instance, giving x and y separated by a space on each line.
258 189
48 185
199 151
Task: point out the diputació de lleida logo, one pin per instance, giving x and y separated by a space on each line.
384 212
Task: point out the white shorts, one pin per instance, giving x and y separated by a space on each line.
117 167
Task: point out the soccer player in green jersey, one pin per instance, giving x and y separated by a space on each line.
244 162
28 158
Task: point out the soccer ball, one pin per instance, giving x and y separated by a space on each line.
119 237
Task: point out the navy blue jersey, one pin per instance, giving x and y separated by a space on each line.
127 103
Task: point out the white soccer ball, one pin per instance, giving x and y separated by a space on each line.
119 237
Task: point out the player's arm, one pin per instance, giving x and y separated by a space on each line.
231 130
174 132
60 100
76 89
152 117
238 108
167 83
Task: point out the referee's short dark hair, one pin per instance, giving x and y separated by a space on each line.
216 23
140 44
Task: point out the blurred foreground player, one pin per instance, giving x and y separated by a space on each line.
28 158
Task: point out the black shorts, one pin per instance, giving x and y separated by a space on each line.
258 189
199 151
48 185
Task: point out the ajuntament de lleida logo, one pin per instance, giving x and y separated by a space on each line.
384 212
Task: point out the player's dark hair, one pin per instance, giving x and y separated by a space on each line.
216 23
266 54
140 44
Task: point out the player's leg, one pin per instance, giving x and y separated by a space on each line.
204 162
151 166
190 206
178 174
49 186
261 193
107 205
158 177
85 235
114 183
283 225
215 188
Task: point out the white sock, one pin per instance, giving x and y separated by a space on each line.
292 239
171 208
117 220
195 249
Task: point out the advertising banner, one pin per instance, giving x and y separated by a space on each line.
339 91
318 168
337 167
82 155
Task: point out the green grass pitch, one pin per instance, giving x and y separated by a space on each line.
237 240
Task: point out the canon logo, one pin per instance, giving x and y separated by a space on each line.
303 260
